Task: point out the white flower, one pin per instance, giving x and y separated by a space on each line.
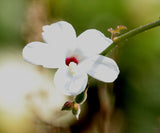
75 57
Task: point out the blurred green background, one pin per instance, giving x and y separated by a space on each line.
136 91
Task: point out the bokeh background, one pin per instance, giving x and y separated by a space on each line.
29 103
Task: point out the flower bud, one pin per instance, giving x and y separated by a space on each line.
117 30
67 106
81 98
76 110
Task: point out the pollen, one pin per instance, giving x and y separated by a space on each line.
71 59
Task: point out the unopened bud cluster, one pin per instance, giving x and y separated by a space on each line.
116 31
74 106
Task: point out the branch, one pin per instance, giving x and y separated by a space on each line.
129 34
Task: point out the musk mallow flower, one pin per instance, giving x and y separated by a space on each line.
75 57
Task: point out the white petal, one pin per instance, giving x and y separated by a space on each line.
42 54
101 68
60 33
93 42
70 84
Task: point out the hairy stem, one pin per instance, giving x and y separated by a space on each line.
129 34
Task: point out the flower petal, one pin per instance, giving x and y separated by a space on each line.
42 54
59 33
93 42
101 68
70 84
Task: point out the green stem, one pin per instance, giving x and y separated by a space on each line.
129 34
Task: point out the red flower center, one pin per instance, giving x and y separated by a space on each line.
71 59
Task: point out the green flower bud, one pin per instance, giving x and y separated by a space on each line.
81 98
76 110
